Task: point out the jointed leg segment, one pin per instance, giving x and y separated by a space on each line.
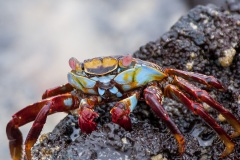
38 113
203 96
36 129
153 97
209 81
173 92
57 90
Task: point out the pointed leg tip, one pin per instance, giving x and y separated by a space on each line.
181 149
181 143
228 150
215 83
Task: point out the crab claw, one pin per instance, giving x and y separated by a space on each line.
86 117
121 117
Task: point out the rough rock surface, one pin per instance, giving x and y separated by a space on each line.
206 40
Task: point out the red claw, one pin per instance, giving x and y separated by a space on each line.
86 120
120 117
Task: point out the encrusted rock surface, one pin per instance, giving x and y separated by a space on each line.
206 40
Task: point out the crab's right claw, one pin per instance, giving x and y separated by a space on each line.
86 120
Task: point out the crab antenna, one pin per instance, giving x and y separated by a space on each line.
75 64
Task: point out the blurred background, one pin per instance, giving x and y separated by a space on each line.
38 37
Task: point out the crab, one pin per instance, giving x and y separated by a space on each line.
124 80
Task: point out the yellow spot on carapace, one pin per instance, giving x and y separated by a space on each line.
109 61
127 76
83 82
94 63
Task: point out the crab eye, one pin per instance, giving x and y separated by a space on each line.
75 64
126 61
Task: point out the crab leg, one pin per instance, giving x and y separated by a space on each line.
120 112
173 92
205 97
154 98
36 129
57 90
209 81
61 103
87 114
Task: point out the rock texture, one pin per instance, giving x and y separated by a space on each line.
206 40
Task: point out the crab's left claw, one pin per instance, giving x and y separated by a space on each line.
87 114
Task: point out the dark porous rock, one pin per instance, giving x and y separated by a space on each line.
206 40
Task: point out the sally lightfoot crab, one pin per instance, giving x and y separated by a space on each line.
124 80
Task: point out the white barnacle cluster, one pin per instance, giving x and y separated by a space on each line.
227 59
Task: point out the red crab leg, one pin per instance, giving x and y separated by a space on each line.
36 129
57 90
173 92
205 97
154 97
120 112
87 114
210 81
61 103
